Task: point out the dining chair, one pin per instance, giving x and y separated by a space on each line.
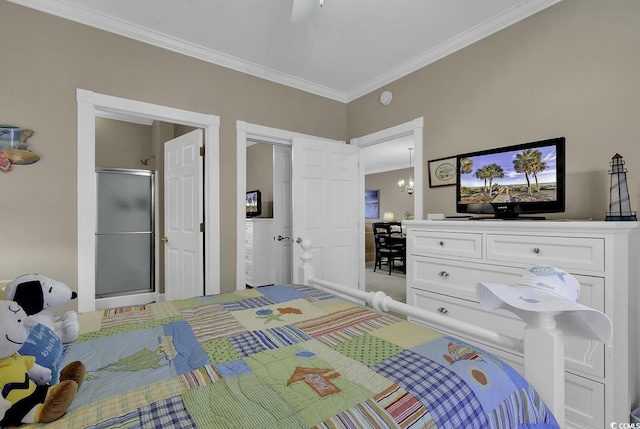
387 249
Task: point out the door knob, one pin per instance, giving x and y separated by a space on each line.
164 239
280 238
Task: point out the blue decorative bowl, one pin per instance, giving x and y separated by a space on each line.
7 132
9 136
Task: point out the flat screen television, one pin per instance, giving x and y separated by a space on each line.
511 181
253 203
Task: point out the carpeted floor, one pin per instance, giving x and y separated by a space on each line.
393 285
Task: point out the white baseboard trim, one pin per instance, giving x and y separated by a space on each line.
126 300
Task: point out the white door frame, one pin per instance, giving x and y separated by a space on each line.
414 128
90 105
251 132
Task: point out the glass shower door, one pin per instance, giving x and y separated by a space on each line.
125 233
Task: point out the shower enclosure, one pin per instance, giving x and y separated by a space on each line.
125 232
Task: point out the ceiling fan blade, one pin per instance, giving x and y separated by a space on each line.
302 10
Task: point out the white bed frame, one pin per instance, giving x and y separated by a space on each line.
543 353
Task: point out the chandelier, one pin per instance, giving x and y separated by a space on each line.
407 186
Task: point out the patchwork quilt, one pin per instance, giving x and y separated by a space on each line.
286 357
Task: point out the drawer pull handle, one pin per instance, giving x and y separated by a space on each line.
441 243
536 250
443 310
443 274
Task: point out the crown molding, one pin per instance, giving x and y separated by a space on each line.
104 22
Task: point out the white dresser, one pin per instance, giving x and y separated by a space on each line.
259 268
447 258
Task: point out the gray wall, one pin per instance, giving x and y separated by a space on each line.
123 144
390 197
50 58
571 70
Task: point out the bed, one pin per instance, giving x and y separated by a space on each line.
286 356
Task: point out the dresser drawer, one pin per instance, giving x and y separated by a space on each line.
566 252
471 312
456 279
248 229
507 323
583 403
591 295
460 244
248 272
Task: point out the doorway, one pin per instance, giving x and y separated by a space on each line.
89 106
412 130
341 267
278 144
127 149
268 170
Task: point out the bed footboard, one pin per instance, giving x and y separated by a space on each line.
543 345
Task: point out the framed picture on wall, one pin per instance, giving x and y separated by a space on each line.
371 204
442 172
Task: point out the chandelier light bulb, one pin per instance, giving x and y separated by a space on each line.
402 185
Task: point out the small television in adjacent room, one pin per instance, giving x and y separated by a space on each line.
253 203
513 181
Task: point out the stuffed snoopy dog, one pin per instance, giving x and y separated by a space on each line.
37 295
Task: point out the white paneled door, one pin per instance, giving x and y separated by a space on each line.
326 204
183 208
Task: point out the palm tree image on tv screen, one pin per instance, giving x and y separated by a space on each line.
527 175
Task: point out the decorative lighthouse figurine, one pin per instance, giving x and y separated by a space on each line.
619 203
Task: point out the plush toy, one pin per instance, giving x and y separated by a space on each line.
26 396
37 295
